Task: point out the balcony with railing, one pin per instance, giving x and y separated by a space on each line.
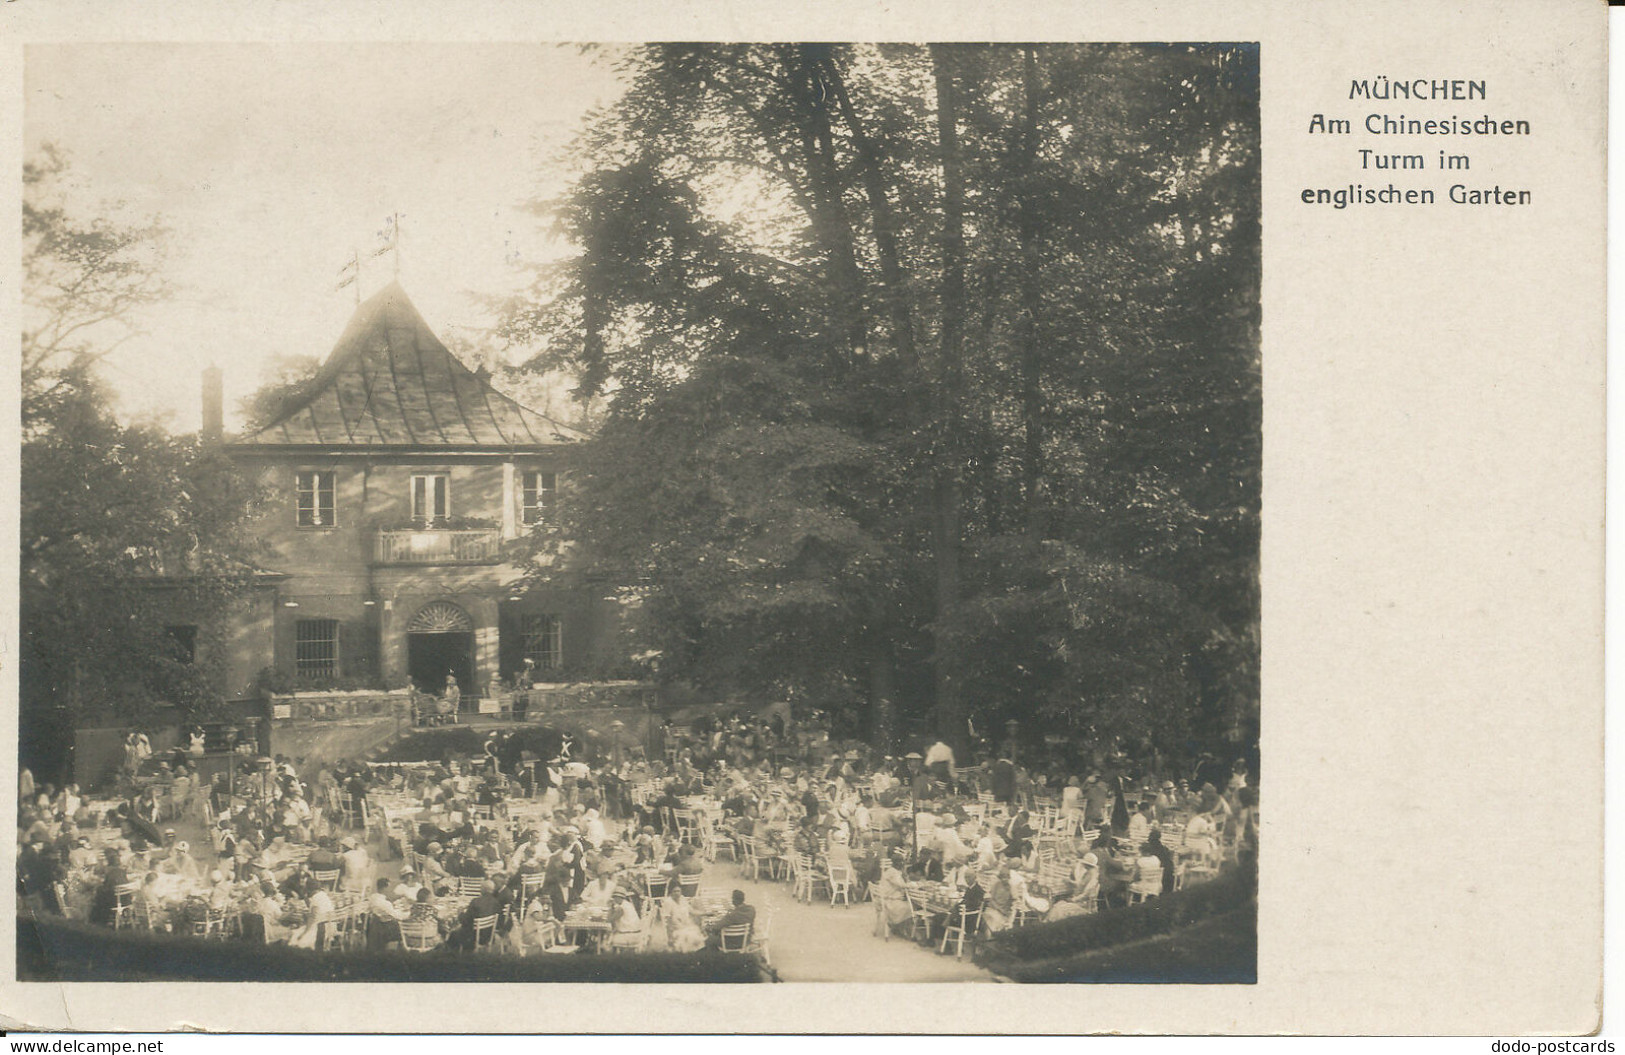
438 546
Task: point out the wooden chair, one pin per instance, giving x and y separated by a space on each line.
1147 886
750 864
686 824
965 929
840 885
485 932
808 878
338 930
920 925
734 939
326 878
689 884
212 925
422 936
712 843
657 887
530 888
470 886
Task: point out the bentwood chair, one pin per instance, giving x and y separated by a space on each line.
734 939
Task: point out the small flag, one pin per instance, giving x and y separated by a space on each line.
387 236
350 280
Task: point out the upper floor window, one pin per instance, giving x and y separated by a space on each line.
314 494
431 500
316 648
540 493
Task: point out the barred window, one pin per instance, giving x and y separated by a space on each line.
540 494
316 648
314 505
543 637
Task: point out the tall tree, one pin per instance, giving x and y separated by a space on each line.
125 529
931 371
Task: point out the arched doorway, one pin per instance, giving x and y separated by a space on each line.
440 641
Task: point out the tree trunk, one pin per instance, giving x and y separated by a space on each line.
946 533
1032 395
885 219
831 222
882 693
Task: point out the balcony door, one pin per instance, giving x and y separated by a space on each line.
431 500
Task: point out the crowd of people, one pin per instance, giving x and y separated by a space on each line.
516 854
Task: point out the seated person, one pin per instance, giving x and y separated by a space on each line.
740 915
599 893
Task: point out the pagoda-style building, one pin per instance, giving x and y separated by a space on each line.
399 478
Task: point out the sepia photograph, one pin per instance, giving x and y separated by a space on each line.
659 513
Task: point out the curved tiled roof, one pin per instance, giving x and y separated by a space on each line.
390 382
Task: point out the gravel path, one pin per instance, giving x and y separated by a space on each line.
820 943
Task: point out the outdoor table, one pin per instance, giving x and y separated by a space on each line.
590 924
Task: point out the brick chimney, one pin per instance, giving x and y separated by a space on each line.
213 405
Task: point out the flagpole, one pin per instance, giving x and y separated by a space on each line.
396 222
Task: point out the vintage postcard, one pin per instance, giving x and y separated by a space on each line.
841 518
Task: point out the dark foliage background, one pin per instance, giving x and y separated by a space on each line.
931 381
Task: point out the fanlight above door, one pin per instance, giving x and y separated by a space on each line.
440 617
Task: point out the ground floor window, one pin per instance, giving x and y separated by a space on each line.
543 637
316 648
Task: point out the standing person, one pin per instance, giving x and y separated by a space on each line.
1120 810
1003 779
521 690
939 761
454 694
1096 800
356 864
1072 798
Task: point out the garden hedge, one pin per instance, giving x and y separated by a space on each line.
1220 950
50 949
1080 934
